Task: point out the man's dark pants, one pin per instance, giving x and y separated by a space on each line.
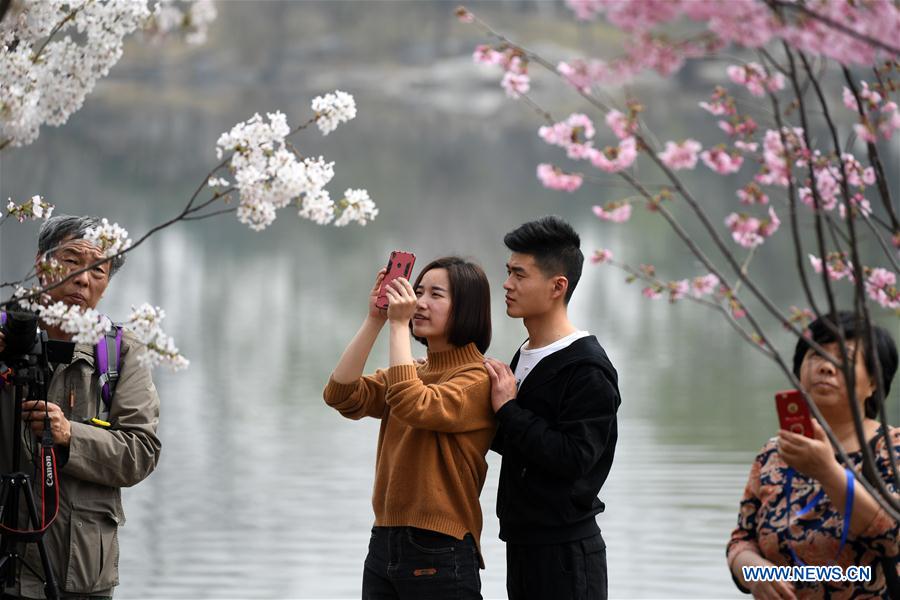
568 571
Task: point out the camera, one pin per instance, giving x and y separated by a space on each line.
25 343
26 364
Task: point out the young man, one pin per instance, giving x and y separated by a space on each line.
556 407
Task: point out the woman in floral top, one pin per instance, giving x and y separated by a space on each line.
762 537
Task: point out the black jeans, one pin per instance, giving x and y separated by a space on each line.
417 564
568 571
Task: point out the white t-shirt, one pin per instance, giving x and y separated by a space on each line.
528 358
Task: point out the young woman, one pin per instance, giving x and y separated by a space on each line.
436 428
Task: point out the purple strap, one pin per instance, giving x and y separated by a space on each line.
2 318
103 364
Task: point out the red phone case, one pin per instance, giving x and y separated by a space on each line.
793 413
400 264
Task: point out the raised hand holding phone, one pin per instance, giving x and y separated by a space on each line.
379 314
793 413
401 301
400 264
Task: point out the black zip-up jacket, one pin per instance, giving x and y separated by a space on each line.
557 438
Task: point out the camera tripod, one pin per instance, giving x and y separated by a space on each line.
17 486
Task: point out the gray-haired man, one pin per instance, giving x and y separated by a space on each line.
95 459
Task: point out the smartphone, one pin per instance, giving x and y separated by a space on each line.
793 413
400 264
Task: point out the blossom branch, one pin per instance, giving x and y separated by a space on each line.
800 7
875 160
797 240
861 308
695 249
639 274
56 29
814 188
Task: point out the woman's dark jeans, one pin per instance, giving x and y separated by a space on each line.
408 563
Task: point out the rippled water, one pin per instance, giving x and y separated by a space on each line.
294 523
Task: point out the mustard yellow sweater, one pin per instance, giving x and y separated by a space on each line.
436 428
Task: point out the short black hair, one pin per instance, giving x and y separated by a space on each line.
57 229
470 302
555 246
822 332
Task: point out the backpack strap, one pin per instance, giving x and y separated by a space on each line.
108 353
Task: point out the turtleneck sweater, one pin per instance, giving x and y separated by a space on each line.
436 428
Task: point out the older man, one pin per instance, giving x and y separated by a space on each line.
96 456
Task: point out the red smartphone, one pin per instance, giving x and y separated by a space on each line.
793 413
400 264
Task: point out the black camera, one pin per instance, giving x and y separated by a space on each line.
23 340
26 364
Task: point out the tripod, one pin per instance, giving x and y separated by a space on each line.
16 486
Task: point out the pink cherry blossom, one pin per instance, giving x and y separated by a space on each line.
738 126
750 232
859 203
754 78
705 285
583 74
613 160
828 185
878 19
642 15
722 162
837 265
777 159
849 100
872 98
649 52
864 132
816 263
769 226
678 289
881 278
881 287
487 55
720 103
515 84
682 155
752 194
652 292
775 82
889 120
746 22
621 125
585 10
856 174
555 179
603 255
515 64
581 124
614 212
464 16
576 129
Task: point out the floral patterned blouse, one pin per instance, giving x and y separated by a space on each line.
814 537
